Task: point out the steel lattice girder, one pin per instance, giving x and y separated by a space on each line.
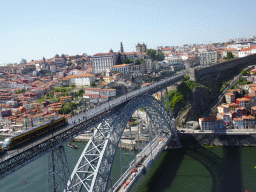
58 172
94 166
37 150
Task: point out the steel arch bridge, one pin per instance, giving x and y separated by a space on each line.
93 168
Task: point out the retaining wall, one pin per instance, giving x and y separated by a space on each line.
197 73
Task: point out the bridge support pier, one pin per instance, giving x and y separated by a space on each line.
58 172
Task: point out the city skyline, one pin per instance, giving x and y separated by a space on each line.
32 30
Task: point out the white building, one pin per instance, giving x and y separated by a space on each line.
172 59
247 51
211 123
76 72
103 61
238 123
108 92
123 68
84 79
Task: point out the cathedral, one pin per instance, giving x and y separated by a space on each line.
141 48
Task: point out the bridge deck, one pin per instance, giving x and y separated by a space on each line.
143 162
15 159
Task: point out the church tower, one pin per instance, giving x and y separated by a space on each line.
138 48
143 47
121 48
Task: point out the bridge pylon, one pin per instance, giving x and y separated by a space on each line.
58 172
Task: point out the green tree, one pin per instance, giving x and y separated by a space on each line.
142 61
137 62
229 56
151 53
128 61
244 72
92 84
160 56
119 61
186 77
72 85
20 91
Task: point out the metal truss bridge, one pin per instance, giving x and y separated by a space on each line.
92 172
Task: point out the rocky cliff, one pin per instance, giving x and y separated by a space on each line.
195 104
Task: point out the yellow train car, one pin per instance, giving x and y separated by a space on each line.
14 141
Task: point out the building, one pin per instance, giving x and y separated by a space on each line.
192 124
225 117
230 98
209 58
247 51
222 109
123 68
84 79
108 92
238 123
234 51
141 48
92 91
211 123
103 61
249 122
243 103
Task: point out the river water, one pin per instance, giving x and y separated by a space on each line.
179 170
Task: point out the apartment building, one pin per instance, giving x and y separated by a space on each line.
209 58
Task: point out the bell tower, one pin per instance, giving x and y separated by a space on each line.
121 48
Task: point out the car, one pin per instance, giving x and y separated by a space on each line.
182 131
201 131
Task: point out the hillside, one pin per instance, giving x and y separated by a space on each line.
191 99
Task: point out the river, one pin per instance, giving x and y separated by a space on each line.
179 170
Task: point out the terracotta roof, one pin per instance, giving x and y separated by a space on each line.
243 99
253 88
248 117
248 49
237 119
210 118
77 76
230 94
122 65
92 89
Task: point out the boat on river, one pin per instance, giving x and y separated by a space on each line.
71 145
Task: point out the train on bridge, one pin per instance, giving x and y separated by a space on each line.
31 134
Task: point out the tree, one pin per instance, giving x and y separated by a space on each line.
72 85
142 61
128 61
160 56
92 84
151 53
186 77
244 72
137 62
119 61
229 56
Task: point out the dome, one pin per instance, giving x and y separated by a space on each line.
252 37
138 44
110 51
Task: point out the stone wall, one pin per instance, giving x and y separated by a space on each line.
237 64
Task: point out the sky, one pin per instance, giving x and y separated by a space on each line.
33 29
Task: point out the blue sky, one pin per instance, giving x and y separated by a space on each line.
33 29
